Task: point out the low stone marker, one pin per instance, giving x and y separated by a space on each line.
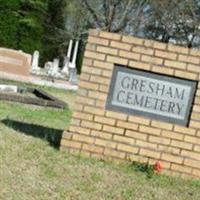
30 96
8 88
15 62
138 100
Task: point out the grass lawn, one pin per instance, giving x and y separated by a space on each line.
32 167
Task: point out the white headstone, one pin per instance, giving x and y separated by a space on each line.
75 55
65 69
54 68
35 61
72 65
55 65
70 49
8 88
48 65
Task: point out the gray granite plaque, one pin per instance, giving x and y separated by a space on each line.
151 95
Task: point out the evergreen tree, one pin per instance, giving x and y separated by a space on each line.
31 25
9 23
54 37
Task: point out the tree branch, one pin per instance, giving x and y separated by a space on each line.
112 11
106 12
124 19
96 19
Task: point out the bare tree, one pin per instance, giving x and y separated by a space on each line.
163 17
188 25
116 15
176 21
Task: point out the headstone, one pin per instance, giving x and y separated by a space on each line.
35 61
72 66
54 68
67 59
8 88
66 66
48 65
70 49
73 76
75 54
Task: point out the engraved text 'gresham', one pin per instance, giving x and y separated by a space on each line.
144 93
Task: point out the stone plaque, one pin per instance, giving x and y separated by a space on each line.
151 95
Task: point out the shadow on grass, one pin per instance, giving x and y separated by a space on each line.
53 136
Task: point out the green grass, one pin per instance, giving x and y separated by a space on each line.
32 167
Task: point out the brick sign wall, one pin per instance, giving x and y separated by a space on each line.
14 62
104 126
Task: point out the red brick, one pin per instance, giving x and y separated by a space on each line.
120 45
106 143
139 65
127 148
152 131
83 138
175 64
101 134
124 139
116 115
130 55
136 135
92 125
112 129
192 163
139 120
164 54
182 145
95 55
93 110
71 144
143 50
189 59
78 129
107 50
104 120
172 158
114 153
127 125
181 168
159 140
117 60
141 143
151 59
178 49
149 153
103 65
96 40
108 35
185 130
133 40
93 148
162 125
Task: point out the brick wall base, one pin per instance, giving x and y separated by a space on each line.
98 132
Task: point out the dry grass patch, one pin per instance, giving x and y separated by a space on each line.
32 167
